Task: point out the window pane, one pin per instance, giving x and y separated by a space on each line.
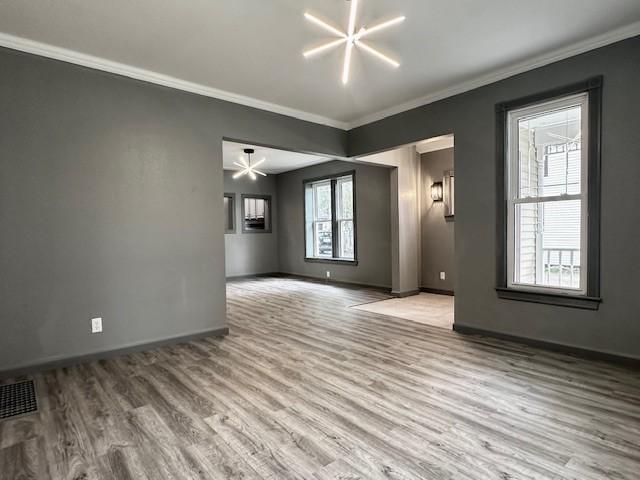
259 208
549 153
323 239
250 208
256 214
346 239
345 188
547 244
323 201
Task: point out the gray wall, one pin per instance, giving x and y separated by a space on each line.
110 205
251 253
373 224
615 327
436 231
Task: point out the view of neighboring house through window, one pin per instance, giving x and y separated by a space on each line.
329 215
547 195
256 213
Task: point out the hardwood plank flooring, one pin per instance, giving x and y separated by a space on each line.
306 388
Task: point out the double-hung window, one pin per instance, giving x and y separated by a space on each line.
549 168
330 218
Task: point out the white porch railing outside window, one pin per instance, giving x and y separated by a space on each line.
561 267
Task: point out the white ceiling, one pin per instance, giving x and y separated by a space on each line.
276 161
250 51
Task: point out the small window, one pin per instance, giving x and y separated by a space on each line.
549 156
256 214
330 218
229 213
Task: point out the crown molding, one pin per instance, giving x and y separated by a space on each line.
90 61
608 38
97 63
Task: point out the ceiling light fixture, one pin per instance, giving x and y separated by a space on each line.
247 168
352 39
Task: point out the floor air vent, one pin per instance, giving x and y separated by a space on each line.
17 399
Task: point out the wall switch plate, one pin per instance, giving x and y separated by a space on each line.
96 325
328 274
443 275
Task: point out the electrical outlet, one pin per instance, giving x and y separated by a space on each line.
328 274
443 275
96 325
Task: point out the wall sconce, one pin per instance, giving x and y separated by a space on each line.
436 192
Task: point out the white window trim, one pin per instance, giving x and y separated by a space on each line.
512 191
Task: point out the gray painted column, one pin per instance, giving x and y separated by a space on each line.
405 218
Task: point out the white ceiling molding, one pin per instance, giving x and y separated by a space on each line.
71 56
97 63
614 36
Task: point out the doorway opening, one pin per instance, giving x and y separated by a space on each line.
423 226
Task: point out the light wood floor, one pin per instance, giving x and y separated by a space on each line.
306 388
427 308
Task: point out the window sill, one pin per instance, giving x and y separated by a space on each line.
337 261
561 300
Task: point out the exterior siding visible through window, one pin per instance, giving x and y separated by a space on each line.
548 155
546 213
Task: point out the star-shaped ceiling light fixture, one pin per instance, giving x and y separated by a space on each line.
352 39
247 168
